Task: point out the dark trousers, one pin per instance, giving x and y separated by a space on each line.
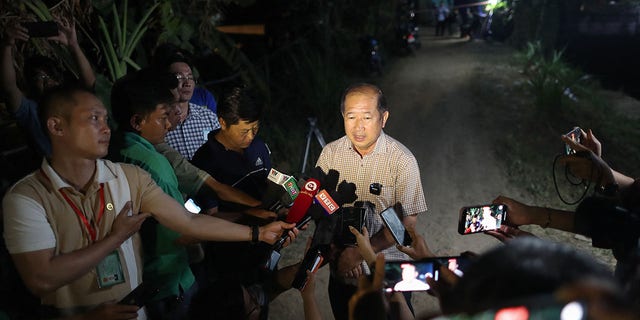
340 293
174 307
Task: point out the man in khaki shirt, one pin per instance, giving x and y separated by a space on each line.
69 225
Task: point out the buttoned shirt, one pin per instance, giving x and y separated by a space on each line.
391 165
192 133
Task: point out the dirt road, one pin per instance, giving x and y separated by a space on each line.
433 112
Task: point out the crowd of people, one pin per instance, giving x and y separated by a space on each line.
104 212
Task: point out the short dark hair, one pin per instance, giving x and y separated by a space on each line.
57 101
140 92
523 267
366 88
240 103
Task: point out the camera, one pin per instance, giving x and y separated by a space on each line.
609 225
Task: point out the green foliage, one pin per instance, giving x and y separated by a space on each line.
119 43
553 82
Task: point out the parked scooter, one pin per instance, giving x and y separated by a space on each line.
371 51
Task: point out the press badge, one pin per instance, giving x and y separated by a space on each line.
109 271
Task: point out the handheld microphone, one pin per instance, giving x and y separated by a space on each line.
302 203
298 215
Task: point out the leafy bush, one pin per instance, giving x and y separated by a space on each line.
552 81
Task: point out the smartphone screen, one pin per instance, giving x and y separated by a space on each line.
412 275
191 206
395 226
574 135
409 275
481 218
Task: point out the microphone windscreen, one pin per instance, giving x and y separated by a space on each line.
304 200
346 193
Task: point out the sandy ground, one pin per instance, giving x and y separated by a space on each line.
434 114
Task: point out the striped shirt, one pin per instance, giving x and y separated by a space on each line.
390 164
192 133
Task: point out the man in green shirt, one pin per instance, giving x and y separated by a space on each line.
140 106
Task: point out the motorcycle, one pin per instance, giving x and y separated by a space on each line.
374 58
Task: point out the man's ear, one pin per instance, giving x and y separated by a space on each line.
223 124
385 116
135 121
54 126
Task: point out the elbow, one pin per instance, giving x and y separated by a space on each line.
40 287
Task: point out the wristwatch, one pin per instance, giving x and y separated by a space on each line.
255 234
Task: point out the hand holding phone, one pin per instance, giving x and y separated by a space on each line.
482 218
394 224
412 275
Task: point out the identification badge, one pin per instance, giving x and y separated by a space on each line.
109 271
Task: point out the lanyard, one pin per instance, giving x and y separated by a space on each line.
92 232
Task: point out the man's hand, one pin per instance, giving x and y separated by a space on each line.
418 249
127 223
506 233
590 141
14 32
519 213
66 33
364 245
348 262
273 231
366 286
108 311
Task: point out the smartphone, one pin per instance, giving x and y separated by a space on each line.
354 217
140 295
412 275
481 218
394 224
312 262
41 29
191 206
574 135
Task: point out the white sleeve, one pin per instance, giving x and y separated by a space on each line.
26 227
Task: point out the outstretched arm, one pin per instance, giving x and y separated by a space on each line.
68 37
8 80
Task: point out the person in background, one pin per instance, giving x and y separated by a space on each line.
197 121
81 248
40 74
201 95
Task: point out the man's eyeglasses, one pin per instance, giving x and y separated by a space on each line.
182 78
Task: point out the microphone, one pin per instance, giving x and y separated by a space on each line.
302 203
298 215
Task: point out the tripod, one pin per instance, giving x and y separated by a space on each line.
313 130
